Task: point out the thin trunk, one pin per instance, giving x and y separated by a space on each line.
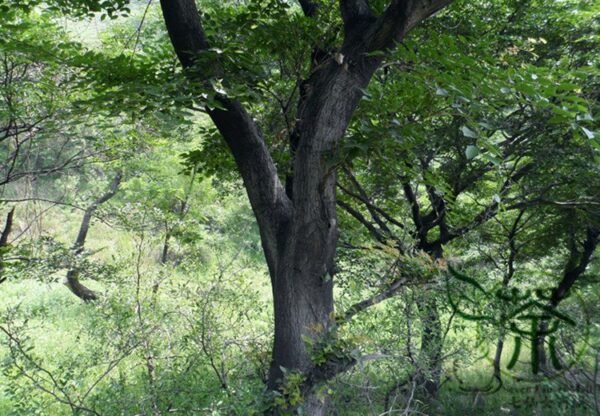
4 240
72 278
430 356
164 255
508 276
576 266
498 358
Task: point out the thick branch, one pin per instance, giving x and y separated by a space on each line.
399 18
265 191
414 206
308 7
185 29
576 266
437 216
355 11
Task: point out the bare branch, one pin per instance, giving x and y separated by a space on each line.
377 234
390 291
72 279
373 211
491 210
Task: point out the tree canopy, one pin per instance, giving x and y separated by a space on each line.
418 179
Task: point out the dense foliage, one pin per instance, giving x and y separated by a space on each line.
133 278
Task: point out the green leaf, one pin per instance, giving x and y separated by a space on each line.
441 91
590 134
471 151
467 132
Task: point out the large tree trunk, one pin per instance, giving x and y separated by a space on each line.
303 304
298 227
303 308
302 275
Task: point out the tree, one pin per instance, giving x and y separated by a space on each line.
72 279
480 140
298 223
459 147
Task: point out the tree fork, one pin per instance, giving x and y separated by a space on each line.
299 230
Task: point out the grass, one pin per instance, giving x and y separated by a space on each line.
213 313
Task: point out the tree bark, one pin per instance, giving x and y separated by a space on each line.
299 228
72 278
430 355
164 254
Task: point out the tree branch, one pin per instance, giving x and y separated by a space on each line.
398 19
85 224
72 278
267 196
491 210
414 206
354 11
576 266
308 7
387 293
365 199
377 234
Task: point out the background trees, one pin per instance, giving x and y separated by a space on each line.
466 181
